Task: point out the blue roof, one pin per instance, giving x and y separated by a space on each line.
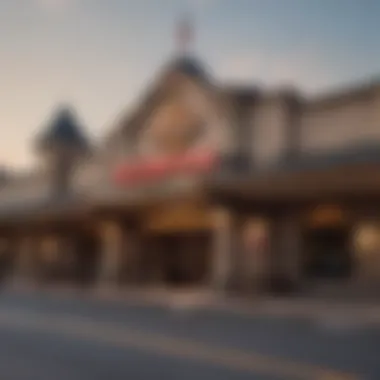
64 129
189 66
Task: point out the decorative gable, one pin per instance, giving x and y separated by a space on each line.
187 117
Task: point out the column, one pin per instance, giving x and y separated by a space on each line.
285 252
226 250
365 247
255 254
111 254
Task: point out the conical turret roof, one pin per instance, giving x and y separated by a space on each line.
63 130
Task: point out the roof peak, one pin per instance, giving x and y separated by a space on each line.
188 65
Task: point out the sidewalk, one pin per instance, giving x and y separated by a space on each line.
202 299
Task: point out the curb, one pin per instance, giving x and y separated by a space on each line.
365 314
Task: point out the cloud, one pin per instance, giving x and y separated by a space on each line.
306 70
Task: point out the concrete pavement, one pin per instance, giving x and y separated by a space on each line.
203 342
319 310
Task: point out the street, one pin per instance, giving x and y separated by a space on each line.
43 336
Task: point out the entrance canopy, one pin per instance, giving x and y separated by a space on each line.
357 180
339 176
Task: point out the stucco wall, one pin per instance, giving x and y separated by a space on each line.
269 129
340 124
94 174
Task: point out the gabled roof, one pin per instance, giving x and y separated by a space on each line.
188 66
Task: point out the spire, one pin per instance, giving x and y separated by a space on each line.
184 34
184 60
61 144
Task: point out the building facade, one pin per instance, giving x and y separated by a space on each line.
226 188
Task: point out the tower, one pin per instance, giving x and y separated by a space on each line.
60 146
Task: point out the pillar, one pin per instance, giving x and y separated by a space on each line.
111 253
255 254
366 248
227 244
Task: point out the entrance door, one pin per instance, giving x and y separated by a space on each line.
87 260
173 270
185 258
328 253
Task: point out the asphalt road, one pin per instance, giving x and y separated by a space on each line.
53 338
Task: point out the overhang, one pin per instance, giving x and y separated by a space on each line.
350 173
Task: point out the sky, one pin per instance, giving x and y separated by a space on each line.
98 55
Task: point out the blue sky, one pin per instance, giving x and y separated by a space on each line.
99 54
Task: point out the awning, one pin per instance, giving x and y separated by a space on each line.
342 181
49 207
349 172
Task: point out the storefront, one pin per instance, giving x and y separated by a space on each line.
322 227
175 219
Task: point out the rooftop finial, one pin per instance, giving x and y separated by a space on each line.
184 34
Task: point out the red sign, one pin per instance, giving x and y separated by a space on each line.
168 166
